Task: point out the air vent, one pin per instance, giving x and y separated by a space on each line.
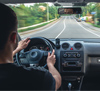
65 45
78 45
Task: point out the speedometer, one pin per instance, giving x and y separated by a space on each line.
33 47
47 49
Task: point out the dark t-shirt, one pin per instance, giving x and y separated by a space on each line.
13 77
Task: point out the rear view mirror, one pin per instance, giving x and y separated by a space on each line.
69 11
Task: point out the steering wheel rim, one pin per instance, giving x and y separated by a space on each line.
34 53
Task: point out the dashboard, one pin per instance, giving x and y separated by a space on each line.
74 53
78 61
74 57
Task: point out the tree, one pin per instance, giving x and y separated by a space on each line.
34 14
87 19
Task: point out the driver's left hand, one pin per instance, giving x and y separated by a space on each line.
21 45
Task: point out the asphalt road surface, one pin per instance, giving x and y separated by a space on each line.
66 27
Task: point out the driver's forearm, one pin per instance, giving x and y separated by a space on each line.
56 75
16 51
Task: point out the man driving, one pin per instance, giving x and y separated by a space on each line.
13 77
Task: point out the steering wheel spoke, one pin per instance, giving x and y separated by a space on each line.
23 54
45 53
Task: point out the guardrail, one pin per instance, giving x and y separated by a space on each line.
36 24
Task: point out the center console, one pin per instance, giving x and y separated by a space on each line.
71 65
71 61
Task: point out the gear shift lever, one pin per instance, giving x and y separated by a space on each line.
69 86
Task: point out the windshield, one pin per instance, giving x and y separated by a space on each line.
43 20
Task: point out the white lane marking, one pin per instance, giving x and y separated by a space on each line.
87 29
62 30
70 19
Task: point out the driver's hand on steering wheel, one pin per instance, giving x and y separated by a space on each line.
21 45
56 75
51 59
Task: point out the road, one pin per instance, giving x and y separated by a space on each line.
66 27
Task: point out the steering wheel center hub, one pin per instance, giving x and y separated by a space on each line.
34 54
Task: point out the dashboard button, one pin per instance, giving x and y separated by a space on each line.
79 64
65 55
78 55
74 55
65 64
69 55
71 48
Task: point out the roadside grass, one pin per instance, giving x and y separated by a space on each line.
89 23
23 30
94 25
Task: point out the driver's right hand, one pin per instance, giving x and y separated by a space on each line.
51 59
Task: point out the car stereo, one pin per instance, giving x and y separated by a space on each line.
71 61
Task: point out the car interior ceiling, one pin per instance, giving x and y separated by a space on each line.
78 60
34 1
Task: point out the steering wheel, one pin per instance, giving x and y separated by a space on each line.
34 56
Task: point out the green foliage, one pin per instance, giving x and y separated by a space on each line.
84 14
86 18
97 26
94 25
92 7
33 14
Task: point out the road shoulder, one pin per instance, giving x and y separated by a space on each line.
90 26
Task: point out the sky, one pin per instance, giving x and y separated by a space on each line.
29 4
